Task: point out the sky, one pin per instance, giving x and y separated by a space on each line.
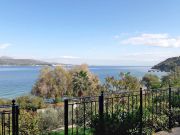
96 32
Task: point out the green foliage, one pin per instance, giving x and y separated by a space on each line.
151 81
30 102
52 82
29 123
168 65
84 82
58 100
50 119
126 81
173 78
80 81
118 123
59 81
80 132
5 102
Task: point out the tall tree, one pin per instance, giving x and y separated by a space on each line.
151 81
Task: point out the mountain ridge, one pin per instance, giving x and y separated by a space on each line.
168 64
9 61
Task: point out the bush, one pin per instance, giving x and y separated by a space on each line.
58 100
51 119
29 123
5 102
118 123
30 102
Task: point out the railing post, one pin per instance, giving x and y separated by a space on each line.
101 105
101 113
13 117
170 107
66 117
141 111
17 119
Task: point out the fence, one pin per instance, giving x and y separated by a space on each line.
9 119
135 111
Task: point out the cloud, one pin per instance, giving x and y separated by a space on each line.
116 37
4 46
160 40
70 57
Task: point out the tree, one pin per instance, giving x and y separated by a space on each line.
43 86
172 78
52 83
124 82
61 82
130 82
57 82
80 82
151 81
84 82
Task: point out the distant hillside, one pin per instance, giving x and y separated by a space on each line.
21 62
168 64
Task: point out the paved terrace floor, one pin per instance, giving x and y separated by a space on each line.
175 131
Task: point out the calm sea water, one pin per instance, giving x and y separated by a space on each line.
17 81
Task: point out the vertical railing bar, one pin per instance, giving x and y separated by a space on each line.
101 111
77 119
91 112
17 120
170 107
72 118
112 105
156 104
66 116
132 105
13 118
128 104
84 117
141 110
95 107
9 123
152 107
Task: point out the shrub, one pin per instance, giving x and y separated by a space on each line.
29 123
30 102
118 123
51 119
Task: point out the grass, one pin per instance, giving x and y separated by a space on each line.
80 132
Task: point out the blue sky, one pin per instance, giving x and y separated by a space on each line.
97 32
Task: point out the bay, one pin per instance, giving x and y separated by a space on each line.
17 81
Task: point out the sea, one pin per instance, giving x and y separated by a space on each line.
18 80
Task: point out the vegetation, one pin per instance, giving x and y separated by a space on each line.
124 82
50 119
79 81
173 78
151 81
5 102
58 82
127 123
168 65
21 62
30 103
29 123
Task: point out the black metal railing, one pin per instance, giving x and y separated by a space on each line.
148 106
9 119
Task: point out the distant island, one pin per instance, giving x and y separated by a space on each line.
168 65
8 61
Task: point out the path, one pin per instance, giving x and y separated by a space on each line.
175 131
